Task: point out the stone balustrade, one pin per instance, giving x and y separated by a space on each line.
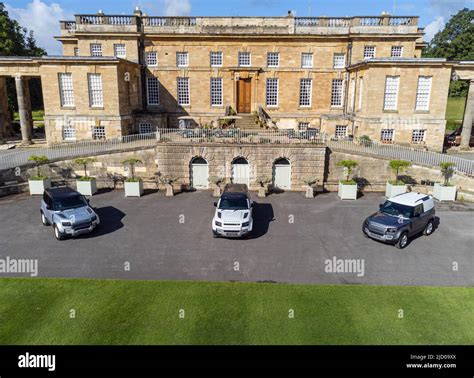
241 25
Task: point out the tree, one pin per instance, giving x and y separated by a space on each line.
455 42
16 40
84 162
398 166
38 160
348 166
447 170
131 163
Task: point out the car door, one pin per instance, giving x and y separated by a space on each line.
48 207
418 219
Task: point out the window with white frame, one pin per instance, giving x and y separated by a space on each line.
423 93
391 92
216 59
98 132
152 58
76 51
305 92
369 52
245 59
120 50
302 126
273 59
183 91
96 49
182 59
397 51
353 89
153 90
341 131
306 60
272 92
386 135
66 89
337 89
69 132
145 128
361 87
339 60
96 98
216 91
418 136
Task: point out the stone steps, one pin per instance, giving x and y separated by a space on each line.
247 121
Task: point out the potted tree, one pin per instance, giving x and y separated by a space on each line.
133 186
216 181
263 181
168 181
397 186
348 187
38 183
309 190
86 185
445 191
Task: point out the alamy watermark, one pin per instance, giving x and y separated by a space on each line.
354 266
10 265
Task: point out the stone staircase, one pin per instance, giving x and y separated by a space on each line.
247 121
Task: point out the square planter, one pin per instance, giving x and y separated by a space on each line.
37 187
444 193
169 191
309 191
394 190
87 188
262 192
133 189
347 191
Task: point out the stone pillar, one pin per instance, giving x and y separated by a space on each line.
5 118
468 117
24 109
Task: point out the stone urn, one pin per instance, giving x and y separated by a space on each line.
262 192
217 191
169 190
309 191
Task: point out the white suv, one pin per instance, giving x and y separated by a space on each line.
233 216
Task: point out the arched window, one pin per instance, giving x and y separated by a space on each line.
282 161
198 160
240 160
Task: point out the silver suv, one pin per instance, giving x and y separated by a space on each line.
68 211
401 217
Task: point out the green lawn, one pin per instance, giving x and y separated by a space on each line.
38 115
454 112
36 311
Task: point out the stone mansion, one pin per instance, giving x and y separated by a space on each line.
345 76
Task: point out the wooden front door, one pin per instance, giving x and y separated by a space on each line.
244 95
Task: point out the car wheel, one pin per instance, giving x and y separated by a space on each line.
429 228
365 234
44 220
403 241
58 234
215 235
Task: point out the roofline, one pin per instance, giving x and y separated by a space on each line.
62 58
401 61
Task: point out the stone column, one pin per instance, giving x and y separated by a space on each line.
24 109
468 117
5 118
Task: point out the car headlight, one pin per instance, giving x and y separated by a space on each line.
391 229
219 215
218 224
94 218
246 215
89 210
66 224
245 224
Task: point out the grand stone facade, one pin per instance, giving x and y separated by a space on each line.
337 75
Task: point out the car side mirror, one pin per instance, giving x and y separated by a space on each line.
215 204
380 206
47 207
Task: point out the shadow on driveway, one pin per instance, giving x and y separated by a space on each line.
262 216
110 221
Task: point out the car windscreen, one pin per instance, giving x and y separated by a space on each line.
67 203
233 203
397 209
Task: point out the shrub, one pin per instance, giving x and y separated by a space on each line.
447 170
349 165
84 162
131 163
38 160
398 166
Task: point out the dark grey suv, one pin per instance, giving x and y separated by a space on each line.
401 217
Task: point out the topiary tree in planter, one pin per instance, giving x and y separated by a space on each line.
445 191
263 182
39 182
86 185
216 181
133 186
397 186
309 181
348 187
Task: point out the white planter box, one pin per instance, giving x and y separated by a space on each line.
309 192
347 192
394 190
444 193
87 188
37 187
133 189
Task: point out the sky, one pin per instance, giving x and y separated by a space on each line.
43 16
